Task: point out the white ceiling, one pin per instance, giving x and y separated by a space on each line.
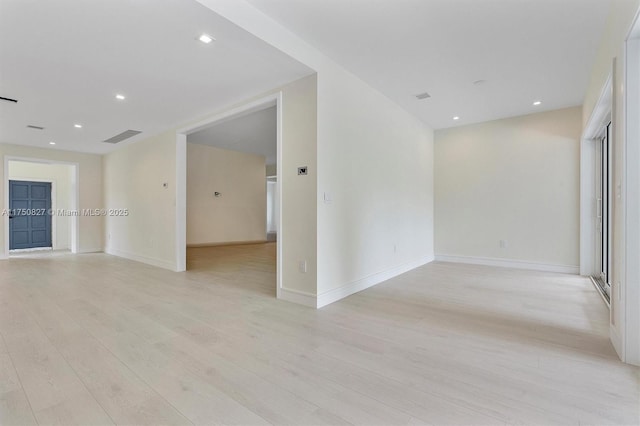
525 50
254 133
65 60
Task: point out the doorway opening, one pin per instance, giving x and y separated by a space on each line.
231 208
603 211
41 199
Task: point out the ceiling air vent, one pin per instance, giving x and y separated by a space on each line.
424 95
31 126
2 98
122 136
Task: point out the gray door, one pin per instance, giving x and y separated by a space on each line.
30 217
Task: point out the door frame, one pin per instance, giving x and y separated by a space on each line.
274 99
629 297
588 204
54 205
604 211
74 198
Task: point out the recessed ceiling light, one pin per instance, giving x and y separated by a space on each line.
456 118
120 97
536 103
78 126
52 143
205 38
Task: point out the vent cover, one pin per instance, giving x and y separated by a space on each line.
2 98
31 126
122 136
424 95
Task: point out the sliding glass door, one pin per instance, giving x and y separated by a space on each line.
604 193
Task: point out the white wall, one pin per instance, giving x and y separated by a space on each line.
375 163
90 228
362 136
61 177
298 232
134 176
516 180
134 179
239 214
610 61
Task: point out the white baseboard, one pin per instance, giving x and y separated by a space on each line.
226 243
336 294
509 263
617 342
142 259
90 250
299 297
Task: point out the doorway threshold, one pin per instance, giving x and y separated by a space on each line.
599 285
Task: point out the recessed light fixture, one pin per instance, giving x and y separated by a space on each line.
456 118
536 103
205 38
78 126
52 143
120 97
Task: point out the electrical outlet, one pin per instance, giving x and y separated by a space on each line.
302 266
395 248
504 244
302 170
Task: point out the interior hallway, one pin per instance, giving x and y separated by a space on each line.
96 339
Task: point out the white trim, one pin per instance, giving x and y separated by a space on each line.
600 116
181 202
5 180
509 263
362 284
616 340
91 250
629 297
601 113
299 297
142 259
181 180
74 199
279 224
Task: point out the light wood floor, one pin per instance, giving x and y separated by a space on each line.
94 339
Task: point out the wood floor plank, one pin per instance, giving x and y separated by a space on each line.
122 394
98 339
14 405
